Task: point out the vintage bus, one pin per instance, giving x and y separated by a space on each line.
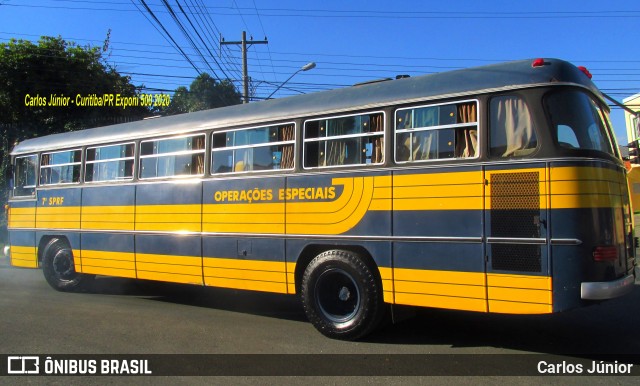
490 189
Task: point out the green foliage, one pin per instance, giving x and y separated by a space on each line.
55 66
204 93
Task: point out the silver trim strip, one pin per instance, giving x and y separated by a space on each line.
607 289
268 235
566 241
515 240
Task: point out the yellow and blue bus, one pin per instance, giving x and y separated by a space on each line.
491 189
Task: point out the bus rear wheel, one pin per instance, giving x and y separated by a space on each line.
59 268
341 295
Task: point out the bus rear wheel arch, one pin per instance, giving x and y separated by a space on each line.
58 266
341 295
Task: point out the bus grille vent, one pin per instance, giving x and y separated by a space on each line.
515 213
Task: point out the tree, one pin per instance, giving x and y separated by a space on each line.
204 93
31 74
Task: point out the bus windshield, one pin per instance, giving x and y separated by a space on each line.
578 122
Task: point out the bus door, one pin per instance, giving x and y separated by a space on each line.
516 229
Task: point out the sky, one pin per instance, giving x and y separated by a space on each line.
350 41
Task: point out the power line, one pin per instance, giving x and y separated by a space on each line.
168 35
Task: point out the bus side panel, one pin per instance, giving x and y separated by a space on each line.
59 208
440 214
439 274
24 252
58 214
516 212
175 208
110 254
338 204
248 206
588 209
21 221
170 258
107 208
248 263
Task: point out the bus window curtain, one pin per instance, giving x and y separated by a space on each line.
337 149
378 143
511 125
287 150
199 158
467 138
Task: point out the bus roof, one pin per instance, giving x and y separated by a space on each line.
493 77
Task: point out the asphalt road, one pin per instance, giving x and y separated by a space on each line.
121 316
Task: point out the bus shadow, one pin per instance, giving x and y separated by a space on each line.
249 302
605 329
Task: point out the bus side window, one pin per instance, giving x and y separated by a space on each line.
512 132
25 176
435 132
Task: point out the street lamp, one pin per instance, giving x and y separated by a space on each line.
306 67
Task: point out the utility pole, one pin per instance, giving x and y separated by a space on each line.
245 72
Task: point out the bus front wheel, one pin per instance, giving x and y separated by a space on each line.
341 296
59 268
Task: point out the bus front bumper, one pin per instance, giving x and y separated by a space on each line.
607 289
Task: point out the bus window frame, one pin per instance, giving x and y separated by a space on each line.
81 163
127 179
177 153
382 133
37 178
265 144
438 127
538 132
609 134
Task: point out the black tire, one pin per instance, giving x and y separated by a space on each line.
59 269
341 295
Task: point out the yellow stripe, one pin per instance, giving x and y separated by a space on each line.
195 261
449 191
257 265
25 257
246 284
244 218
519 281
186 269
519 294
503 307
307 220
31 263
168 226
432 179
169 209
436 301
105 225
257 275
572 173
58 210
121 264
170 277
442 203
227 273
22 218
244 228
